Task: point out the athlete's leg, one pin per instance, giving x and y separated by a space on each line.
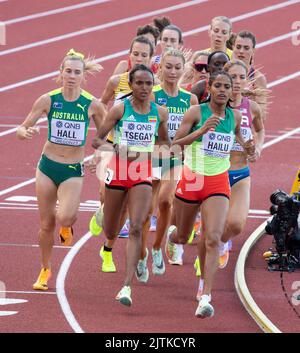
139 203
113 207
165 205
238 209
68 195
46 192
185 214
146 226
214 214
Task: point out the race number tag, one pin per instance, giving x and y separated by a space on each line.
67 133
109 174
217 144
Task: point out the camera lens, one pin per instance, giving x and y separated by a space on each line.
278 197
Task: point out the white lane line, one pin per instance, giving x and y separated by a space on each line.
60 283
134 18
54 12
10 131
33 246
284 79
27 292
280 138
124 52
7 313
8 301
102 26
247 15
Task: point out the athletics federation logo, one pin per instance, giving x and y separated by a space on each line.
57 105
59 124
212 136
162 101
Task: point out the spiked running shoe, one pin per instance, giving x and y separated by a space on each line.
191 237
204 309
142 272
158 264
42 281
173 251
124 296
197 267
223 256
66 236
96 221
107 261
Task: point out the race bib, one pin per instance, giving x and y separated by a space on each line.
70 133
174 121
217 144
247 135
138 135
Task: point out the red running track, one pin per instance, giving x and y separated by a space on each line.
165 304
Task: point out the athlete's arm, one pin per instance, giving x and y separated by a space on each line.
191 117
121 67
258 126
97 111
248 146
109 90
260 84
113 116
40 107
194 99
163 137
198 89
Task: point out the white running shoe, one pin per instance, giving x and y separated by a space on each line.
173 251
141 272
124 296
153 223
204 309
158 264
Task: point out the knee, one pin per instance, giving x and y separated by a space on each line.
235 227
47 226
136 230
66 220
212 240
165 204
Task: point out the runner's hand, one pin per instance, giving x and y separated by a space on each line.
210 125
28 133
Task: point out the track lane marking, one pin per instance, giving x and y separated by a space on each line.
102 26
53 12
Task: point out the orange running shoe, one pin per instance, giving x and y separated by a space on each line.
223 259
42 281
66 236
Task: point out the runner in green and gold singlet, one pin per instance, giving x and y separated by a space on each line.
60 170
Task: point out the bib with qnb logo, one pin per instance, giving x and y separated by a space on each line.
68 122
246 123
209 155
176 106
137 131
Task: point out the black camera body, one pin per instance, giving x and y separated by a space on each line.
285 228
